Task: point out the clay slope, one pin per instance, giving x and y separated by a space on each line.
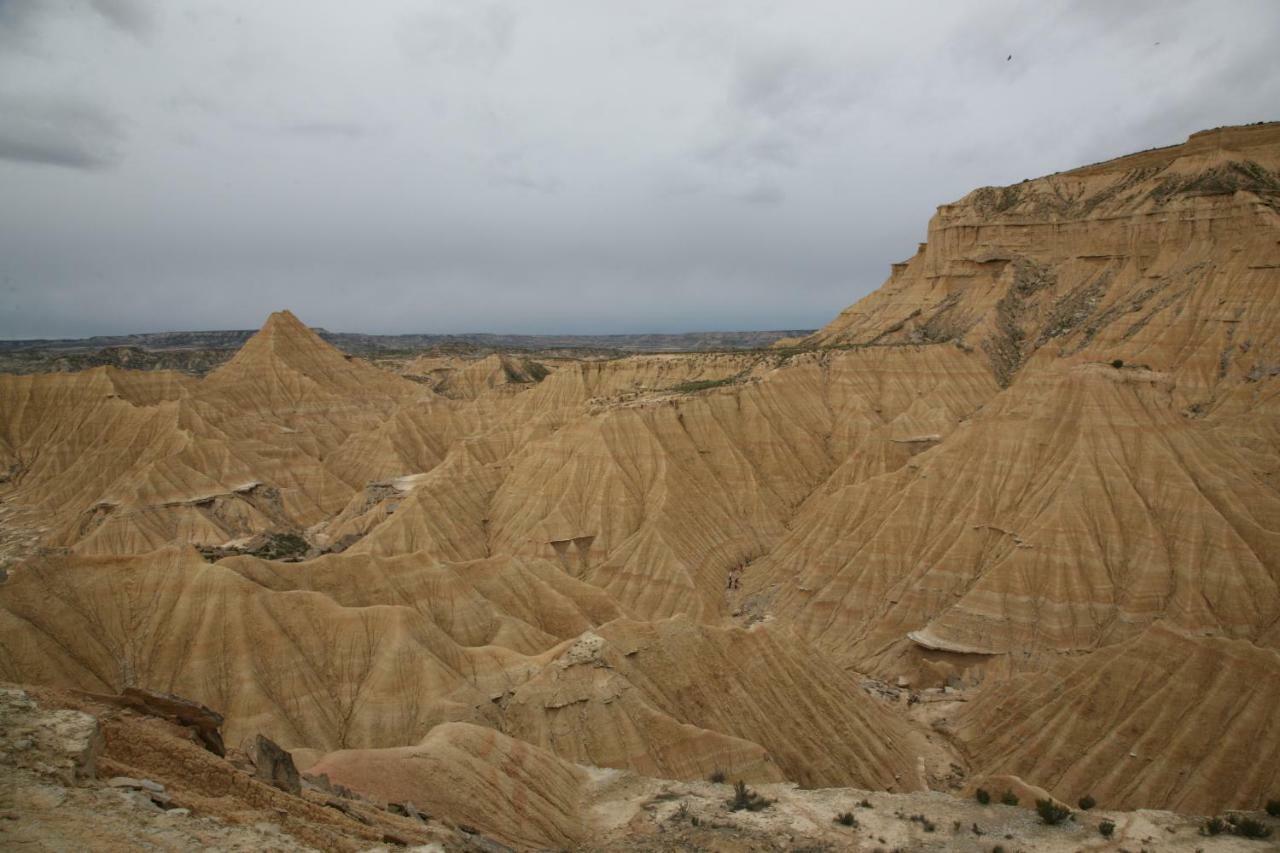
1186 721
520 794
1126 474
314 661
1039 465
673 699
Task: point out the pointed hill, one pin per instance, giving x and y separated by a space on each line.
288 364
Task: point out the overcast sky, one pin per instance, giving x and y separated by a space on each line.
553 166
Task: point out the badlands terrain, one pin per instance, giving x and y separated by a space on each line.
1011 522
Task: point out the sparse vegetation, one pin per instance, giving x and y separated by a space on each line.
1106 828
1087 802
846 819
864 803
1009 798
1052 813
1118 363
281 546
1273 808
745 799
701 385
982 795
717 777
1247 827
1213 826
925 823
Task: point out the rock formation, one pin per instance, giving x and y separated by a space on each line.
1015 514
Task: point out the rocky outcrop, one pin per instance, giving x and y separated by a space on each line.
61 743
274 765
203 722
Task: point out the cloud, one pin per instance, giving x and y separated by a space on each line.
780 99
441 165
333 129
463 35
58 132
763 195
132 16
18 20
22 21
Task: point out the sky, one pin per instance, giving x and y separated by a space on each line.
562 166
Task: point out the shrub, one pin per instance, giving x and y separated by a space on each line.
696 385
745 799
281 546
1247 827
1118 363
1273 808
1106 828
1213 826
1087 802
716 777
928 825
982 795
1052 813
864 804
1009 798
846 819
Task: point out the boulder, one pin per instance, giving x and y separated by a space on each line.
274 766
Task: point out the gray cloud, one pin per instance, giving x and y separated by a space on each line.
132 16
445 165
57 132
764 195
326 129
459 34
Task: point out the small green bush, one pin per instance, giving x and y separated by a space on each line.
1118 363
717 777
1213 826
864 804
1273 808
846 819
1052 813
1106 828
1009 798
1087 802
982 795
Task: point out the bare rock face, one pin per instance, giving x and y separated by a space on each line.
1037 467
204 722
275 765
60 743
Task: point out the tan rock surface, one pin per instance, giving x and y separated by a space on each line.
1039 468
